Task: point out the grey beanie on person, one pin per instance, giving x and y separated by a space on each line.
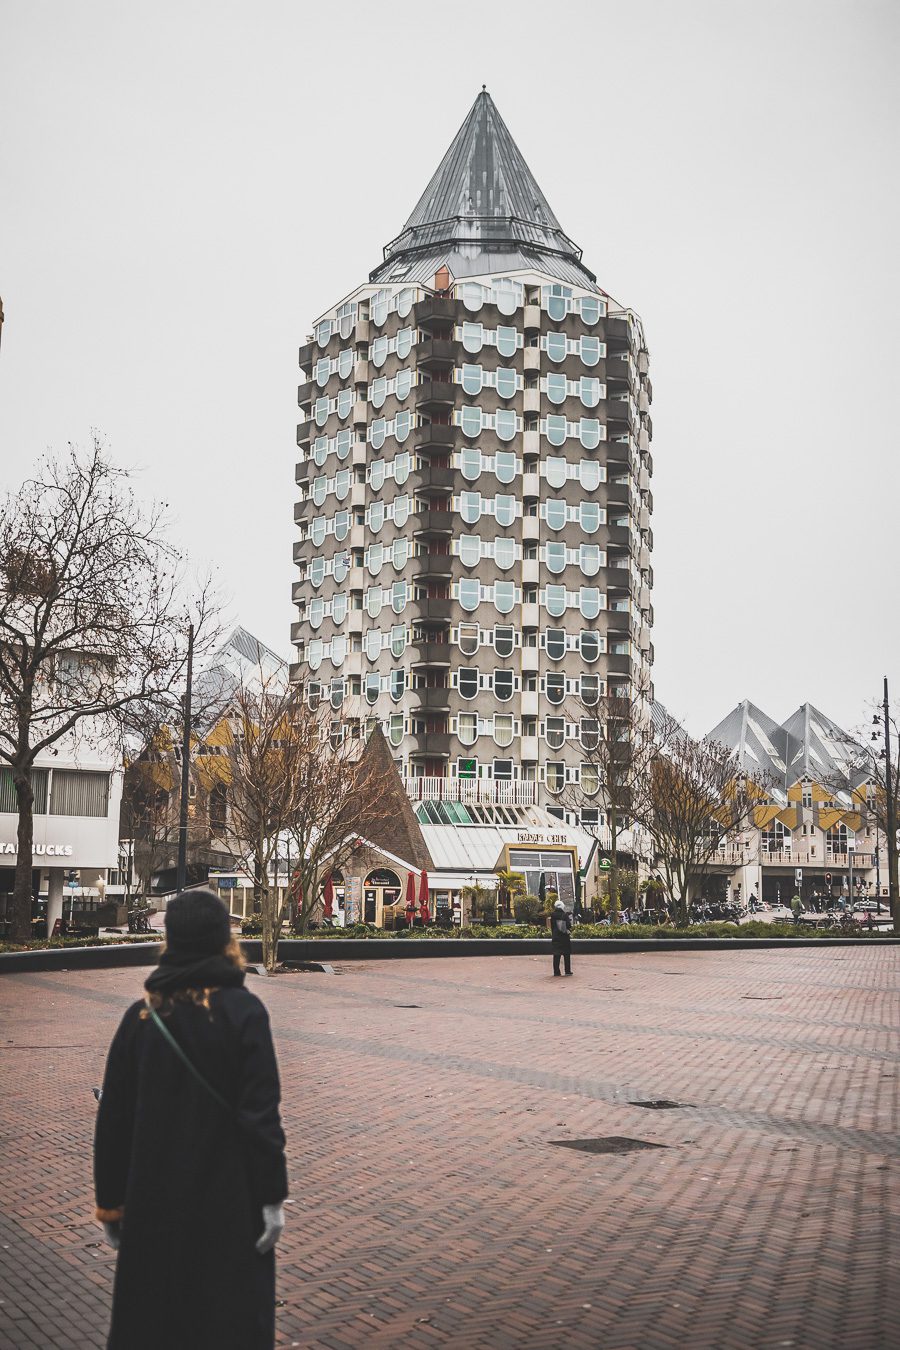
197 924
559 905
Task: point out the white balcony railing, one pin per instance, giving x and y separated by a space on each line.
472 791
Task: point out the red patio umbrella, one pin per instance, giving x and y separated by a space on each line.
410 899
423 897
328 898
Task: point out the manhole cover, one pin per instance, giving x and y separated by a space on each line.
610 1143
661 1104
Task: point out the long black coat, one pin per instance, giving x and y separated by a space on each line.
560 928
191 1181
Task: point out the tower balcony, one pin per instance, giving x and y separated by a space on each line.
430 745
427 700
434 394
429 654
433 567
437 610
432 522
432 480
307 356
434 438
434 311
436 354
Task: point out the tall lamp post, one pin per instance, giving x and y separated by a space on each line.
181 873
891 821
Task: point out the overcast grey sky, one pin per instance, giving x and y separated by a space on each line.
185 185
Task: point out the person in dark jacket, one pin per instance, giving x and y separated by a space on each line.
560 937
190 1185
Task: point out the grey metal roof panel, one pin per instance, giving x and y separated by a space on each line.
483 197
420 268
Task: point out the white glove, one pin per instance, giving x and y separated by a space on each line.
273 1220
113 1232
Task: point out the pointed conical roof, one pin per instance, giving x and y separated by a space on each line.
396 827
483 199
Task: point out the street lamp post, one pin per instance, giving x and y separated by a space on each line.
181 874
877 868
891 816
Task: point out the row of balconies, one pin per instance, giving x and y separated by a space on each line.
440 357
437 312
742 855
441 438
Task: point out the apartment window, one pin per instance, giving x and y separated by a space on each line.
776 839
837 839
8 802
74 793
806 797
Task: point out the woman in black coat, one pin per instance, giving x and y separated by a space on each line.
560 937
190 1176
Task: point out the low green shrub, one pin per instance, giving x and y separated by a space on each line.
528 909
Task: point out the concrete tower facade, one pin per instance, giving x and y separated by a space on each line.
474 506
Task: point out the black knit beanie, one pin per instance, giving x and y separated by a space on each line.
197 924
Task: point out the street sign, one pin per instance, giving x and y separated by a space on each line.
226 883
798 875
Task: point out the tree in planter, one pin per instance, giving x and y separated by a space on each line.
482 902
617 743
509 885
296 789
693 796
93 624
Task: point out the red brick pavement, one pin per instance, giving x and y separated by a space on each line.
428 1208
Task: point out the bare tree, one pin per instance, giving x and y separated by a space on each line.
93 622
292 785
693 797
618 746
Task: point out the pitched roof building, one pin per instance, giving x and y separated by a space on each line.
817 835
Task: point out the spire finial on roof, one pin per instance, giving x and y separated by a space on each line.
483 198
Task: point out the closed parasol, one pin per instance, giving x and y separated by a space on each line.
424 910
328 899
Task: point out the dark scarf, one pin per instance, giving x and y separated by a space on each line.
188 971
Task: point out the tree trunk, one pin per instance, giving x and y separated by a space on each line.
20 927
267 910
682 905
614 866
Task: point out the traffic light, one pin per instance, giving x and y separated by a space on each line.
828 879
72 876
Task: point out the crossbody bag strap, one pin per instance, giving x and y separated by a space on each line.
189 1065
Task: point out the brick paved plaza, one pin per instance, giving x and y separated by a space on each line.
429 1206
